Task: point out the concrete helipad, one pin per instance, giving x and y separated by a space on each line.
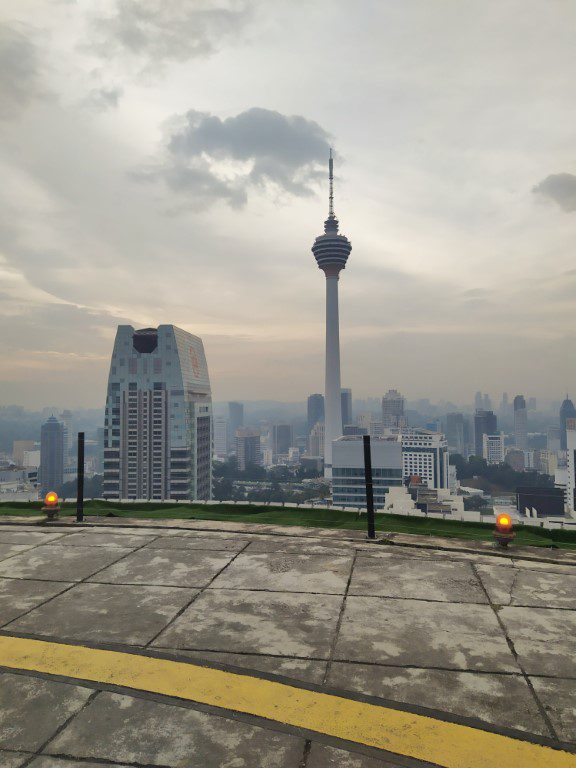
201 644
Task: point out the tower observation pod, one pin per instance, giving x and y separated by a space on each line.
331 251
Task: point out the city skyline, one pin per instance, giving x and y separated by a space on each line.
128 201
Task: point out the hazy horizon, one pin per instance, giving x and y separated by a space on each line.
165 162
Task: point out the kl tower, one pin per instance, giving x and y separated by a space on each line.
331 252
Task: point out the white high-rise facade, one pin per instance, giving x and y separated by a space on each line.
425 454
331 251
158 428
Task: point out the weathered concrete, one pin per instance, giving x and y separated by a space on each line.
329 757
279 572
271 623
422 634
31 710
18 596
106 613
45 761
125 729
29 537
299 669
166 567
417 579
514 586
56 562
108 540
7 550
15 759
559 700
198 542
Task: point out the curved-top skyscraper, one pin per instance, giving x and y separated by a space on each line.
331 251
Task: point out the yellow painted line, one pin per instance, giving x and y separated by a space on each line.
417 736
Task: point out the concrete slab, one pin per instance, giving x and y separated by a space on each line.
12 759
18 596
559 700
310 671
417 579
202 543
513 586
270 623
31 710
124 729
327 574
17 536
298 546
322 756
7 550
45 761
55 562
106 613
544 639
422 634
498 699
109 540
178 568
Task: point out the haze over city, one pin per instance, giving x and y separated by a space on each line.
165 162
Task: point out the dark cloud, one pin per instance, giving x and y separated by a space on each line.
561 188
171 30
19 71
258 147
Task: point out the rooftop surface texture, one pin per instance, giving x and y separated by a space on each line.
178 644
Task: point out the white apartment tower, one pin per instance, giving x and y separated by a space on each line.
331 251
493 448
425 454
158 426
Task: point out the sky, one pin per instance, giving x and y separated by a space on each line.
165 161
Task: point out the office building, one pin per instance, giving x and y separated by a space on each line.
235 421
567 411
393 410
315 410
248 448
520 423
455 431
478 401
351 430
66 419
553 439
493 448
331 251
425 454
282 439
348 483
346 401
570 426
485 423
316 440
221 437
18 449
51 455
158 427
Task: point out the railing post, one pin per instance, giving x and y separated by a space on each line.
369 487
80 480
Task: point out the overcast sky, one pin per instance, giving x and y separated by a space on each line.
164 161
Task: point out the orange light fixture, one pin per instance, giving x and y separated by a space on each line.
51 499
504 523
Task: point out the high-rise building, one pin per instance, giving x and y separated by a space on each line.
346 401
51 455
331 251
493 448
66 419
570 426
316 440
221 437
282 439
158 439
393 410
478 401
487 403
235 421
455 426
520 423
348 483
248 450
567 411
485 423
425 454
315 410
18 449
553 439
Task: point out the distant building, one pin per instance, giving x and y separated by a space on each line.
478 401
158 439
425 454
282 439
553 439
546 462
18 449
315 410
316 440
66 419
487 403
235 421
346 403
515 459
455 426
567 411
393 410
31 459
485 423
571 465
348 484
221 437
248 450
544 501
351 430
493 448
51 455
520 423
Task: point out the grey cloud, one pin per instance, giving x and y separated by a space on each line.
287 152
19 71
170 30
561 188
104 98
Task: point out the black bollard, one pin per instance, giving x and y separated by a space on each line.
369 487
80 480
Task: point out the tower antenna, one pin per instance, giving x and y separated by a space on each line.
331 177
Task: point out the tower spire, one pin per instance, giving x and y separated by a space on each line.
331 177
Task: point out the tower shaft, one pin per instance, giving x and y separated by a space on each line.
332 403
